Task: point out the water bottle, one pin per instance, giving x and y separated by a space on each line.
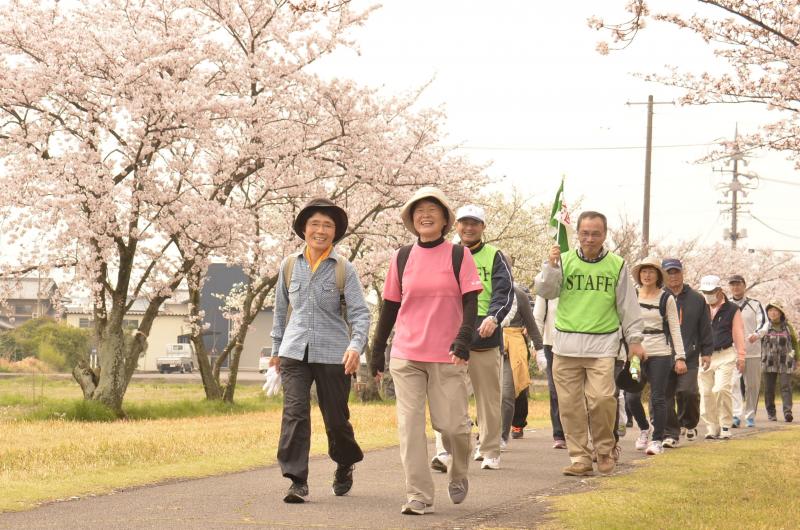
635 366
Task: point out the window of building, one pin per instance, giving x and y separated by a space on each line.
130 324
85 323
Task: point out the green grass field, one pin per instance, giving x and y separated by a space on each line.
751 482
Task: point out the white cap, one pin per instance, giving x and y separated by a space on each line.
709 283
472 211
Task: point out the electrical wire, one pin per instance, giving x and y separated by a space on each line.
773 229
788 182
579 148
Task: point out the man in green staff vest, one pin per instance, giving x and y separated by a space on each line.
597 304
485 360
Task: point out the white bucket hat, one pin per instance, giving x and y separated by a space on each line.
427 192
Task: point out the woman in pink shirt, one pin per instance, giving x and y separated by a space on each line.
430 298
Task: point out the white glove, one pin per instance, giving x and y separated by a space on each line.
273 385
541 361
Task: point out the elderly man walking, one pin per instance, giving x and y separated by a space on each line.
596 300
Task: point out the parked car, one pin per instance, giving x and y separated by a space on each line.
263 359
179 358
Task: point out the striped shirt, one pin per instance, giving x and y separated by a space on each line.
316 321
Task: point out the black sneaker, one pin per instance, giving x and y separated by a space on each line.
788 417
342 480
772 418
297 493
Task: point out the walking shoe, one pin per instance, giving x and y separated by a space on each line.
654 448
642 440
503 445
440 462
772 418
750 422
296 494
490 463
684 430
558 443
457 490
517 432
343 480
578 469
605 464
736 422
621 430
725 434
629 423
711 436
788 417
669 442
477 456
691 435
415 507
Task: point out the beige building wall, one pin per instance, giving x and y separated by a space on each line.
257 337
165 330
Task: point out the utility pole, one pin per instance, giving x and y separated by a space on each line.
648 157
735 187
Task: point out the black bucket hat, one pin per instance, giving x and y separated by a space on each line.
627 383
326 206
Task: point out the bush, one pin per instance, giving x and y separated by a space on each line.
56 343
48 354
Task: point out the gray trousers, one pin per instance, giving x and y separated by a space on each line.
508 399
744 406
770 378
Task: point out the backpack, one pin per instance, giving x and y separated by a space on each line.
405 251
288 270
662 309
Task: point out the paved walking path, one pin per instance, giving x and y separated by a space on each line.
513 497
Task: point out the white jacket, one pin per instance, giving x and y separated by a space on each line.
755 321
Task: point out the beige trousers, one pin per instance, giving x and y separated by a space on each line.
486 372
444 386
716 404
587 401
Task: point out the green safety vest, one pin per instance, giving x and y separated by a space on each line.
484 261
588 299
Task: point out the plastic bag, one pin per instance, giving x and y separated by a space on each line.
273 385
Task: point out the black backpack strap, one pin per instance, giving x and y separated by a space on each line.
662 308
458 258
402 259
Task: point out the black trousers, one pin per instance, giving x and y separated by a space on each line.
683 392
770 380
555 418
333 391
520 418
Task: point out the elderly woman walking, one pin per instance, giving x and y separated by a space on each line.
780 353
430 299
318 294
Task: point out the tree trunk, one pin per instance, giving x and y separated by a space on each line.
233 373
366 387
113 380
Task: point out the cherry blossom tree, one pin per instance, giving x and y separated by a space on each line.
130 132
757 42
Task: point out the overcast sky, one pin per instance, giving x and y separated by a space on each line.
523 87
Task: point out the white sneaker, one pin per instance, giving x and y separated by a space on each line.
669 442
725 434
655 448
503 445
642 440
441 462
477 456
691 435
490 463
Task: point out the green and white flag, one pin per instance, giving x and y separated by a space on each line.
560 226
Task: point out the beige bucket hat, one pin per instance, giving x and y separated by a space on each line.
427 192
649 261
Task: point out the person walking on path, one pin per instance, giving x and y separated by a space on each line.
430 299
683 390
319 330
780 353
596 299
516 376
746 386
727 329
664 346
544 312
486 355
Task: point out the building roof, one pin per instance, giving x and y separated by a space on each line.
27 288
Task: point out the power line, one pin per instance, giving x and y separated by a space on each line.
578 148
773 229
788 182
